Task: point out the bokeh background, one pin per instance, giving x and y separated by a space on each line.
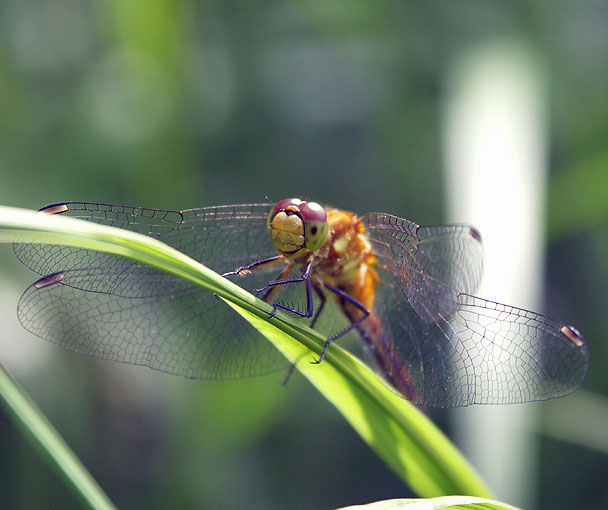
180 104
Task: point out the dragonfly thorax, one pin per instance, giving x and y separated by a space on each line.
347 252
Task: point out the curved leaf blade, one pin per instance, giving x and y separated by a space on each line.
403 436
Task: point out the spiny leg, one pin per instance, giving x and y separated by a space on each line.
288 375
282 277
258 264
305 277
346 297
273 286
282 280
255 265
323 298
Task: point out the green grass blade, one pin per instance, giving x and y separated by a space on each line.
403 436
460 502
43 435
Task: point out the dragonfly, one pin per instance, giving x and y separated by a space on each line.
406 289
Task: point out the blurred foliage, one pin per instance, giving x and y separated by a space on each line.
578 197
182 104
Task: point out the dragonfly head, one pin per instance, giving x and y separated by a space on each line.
296 226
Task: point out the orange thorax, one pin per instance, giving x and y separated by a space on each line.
346 259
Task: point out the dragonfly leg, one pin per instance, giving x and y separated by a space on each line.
272 287
288 375
255 265
281 281
348 298
309 302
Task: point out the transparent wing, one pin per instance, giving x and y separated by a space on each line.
188 333
107 306
430 263
458 349
223 238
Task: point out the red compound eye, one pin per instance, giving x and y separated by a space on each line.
315 225
311 211
313 217
283 205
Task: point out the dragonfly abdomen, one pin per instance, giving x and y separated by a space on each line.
390 363
388 360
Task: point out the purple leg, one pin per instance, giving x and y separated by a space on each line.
254 265
270 286
345 297
304 277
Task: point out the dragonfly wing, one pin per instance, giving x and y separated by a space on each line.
188 333
510 355
456 348
452 254
433 264
110 307
223 238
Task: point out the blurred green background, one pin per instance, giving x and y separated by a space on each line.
179 104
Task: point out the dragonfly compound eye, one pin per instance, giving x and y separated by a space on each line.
294 225
315 225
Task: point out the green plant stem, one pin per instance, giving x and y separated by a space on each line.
47 440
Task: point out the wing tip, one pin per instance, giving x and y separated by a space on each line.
54 209
49 280
475 234
572 334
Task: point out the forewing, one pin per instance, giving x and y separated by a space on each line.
223 238
459 349
110 307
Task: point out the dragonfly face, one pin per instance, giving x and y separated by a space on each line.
407 289
296 226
